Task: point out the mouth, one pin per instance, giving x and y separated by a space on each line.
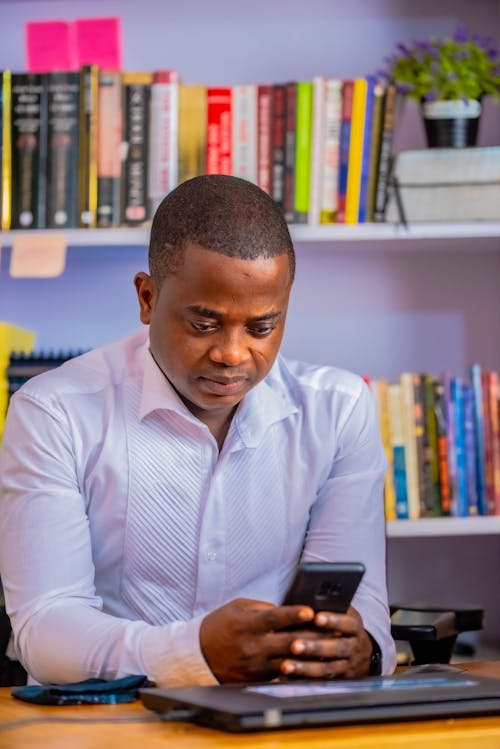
223 385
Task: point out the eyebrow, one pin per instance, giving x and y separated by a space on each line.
206 312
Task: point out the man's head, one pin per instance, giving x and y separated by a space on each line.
222 265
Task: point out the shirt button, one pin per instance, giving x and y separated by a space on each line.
211 555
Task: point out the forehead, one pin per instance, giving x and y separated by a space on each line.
206 277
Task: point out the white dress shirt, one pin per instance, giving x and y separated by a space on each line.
121 525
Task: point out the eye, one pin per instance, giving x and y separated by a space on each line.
203 327
260 331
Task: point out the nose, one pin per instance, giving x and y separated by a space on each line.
230 349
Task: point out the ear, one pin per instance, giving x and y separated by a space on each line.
146 294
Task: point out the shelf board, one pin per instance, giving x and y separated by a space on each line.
473 526
300 233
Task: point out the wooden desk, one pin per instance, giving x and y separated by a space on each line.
25 726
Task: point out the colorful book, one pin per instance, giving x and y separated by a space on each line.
489 382
317 149
380 389
109 164
431 447
219 130
344 148
366 155
134 175
278 131
459 504
303 144
331 134
385 160
12 339
410 442
440 408
290 135
264 130
192 130
63 94
482 499
356 150
470 450
29 149
5 149
163 119
88 139
379 94
244 131
398 451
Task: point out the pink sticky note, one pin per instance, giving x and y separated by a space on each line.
48 46
98 42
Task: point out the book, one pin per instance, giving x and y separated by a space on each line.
470 450
244 132
278 121
63 95
303 143
290 135
398 450
264 130
365 154
380 390
12 339
431 448
109 163
442 445
318 142
134 174
482 499
29 149
379 94
422 445
385 159
459 503
409 435
447 184
449 405
192 130
489 383
344 148
219 130
88 139
5 150
359 100
330 173
163 119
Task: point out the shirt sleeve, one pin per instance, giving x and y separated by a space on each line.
347 520
61 632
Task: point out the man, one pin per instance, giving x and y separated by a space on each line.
157 494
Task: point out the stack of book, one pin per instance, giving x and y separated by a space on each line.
442 441
101 148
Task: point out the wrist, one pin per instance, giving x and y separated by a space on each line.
375 667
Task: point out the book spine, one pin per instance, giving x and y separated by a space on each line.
488 443
317 149
409 428
459 506
344 147
442 445
492 387
192 131
88 139
136 96
290 135
264 131
303 143
110 124
398 451
330 182
29 138
470 451
381 393
278 114
365 156
384 167
163 117
431 447
63 90
219 136
451 441
356 150
6 150
244 129
421 439
482 498
376 137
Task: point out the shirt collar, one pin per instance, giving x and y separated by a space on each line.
267 403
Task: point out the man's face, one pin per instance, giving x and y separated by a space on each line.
216 325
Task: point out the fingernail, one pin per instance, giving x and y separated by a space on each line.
288 667
298 646
322 620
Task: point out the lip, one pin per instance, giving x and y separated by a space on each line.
223 385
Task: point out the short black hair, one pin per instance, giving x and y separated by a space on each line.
225 214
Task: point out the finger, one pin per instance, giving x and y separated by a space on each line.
314 669
342 624
327 648
280 617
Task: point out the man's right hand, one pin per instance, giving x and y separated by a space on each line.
240 641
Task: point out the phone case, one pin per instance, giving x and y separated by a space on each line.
325 586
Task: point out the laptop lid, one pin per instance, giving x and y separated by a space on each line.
296 704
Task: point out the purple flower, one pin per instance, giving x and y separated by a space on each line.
463 54
460 34
452 77
404 88
404 49
431 95
492 53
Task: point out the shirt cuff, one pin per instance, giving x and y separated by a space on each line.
173 657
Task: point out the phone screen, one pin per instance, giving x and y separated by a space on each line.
325 586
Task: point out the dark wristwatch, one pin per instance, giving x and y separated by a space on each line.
376 659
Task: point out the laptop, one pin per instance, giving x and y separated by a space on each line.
410 695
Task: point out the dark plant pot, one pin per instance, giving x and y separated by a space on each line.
447 133
451 124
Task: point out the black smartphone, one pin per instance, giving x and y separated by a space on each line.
325 586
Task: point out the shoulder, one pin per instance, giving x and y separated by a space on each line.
310 381
90 373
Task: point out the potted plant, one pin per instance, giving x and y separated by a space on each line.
448 77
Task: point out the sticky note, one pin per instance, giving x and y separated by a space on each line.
48 46
98 42
38 255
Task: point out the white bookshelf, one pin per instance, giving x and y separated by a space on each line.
326 234
428 527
